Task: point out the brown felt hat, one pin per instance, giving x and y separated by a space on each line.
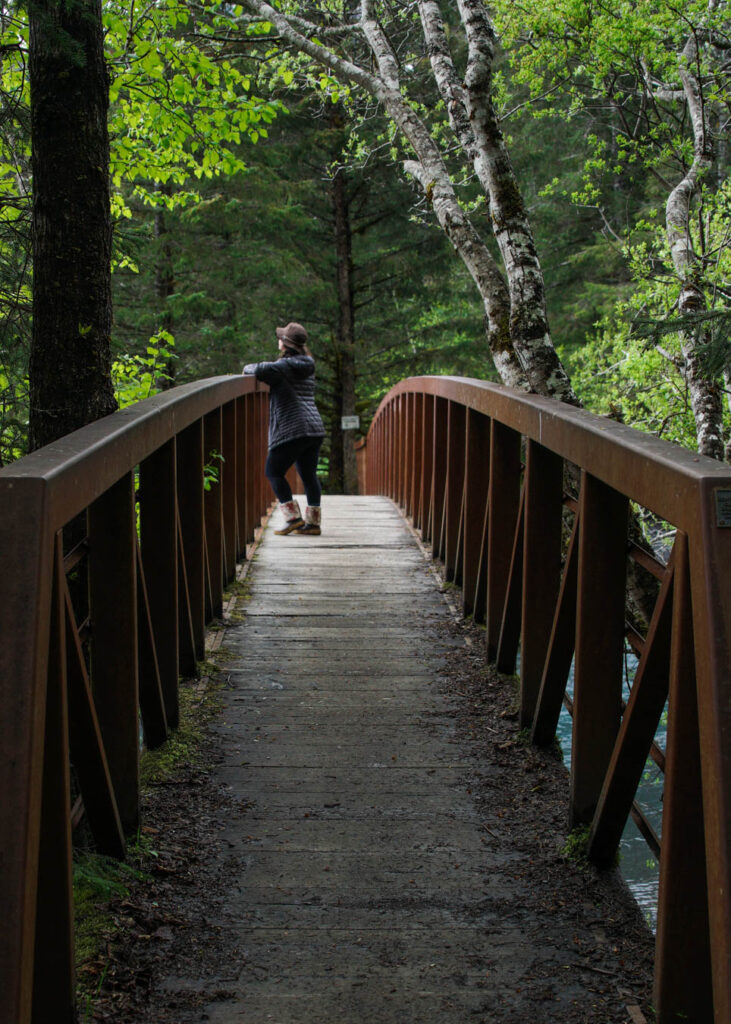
293 335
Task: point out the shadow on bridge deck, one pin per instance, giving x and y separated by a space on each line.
380 864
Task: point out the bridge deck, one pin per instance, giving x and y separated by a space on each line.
367 880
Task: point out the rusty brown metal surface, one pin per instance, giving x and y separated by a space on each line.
439 472
454 488
114 644
87 748
427 465
213 506
228 489
509 640
24 618
159 549
504 500
660 476
710 575
541 568
84 464
152 703
683 984
54 967
560 651
599 659
640 720
477 474
189 449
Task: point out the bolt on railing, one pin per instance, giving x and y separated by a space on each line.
116 543
527 502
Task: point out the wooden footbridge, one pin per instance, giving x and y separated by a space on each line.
116 544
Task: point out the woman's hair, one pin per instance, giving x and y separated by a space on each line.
289 351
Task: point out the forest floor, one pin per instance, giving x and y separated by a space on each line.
530 932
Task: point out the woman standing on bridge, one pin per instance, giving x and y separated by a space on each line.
295 427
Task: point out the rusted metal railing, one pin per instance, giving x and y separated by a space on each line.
116 543
483 471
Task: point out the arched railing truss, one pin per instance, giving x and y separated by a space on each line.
116 543
530 505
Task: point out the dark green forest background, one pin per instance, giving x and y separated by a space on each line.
236 168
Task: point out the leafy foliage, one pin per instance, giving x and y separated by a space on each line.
137 377
180 108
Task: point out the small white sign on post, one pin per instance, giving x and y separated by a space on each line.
350 422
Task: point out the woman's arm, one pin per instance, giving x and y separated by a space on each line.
270 373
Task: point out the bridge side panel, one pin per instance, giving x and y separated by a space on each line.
114 643
710 569
683 984
26 565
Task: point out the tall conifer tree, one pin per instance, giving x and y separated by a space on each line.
72 235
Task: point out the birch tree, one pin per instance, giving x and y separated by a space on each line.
658 75
705 392
366 48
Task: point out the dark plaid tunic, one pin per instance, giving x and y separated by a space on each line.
292 409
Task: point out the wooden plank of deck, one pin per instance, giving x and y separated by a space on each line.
363 887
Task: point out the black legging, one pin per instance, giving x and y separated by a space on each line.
301 453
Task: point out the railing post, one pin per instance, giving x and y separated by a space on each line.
504 498
477 475
113 613
710 558
599 657
159 547
541 568
401 418
241 478
454 488
26 558
256 437
228 488
439 472
54 988
427 465
417 456
560 651
213 511
406 448
252 457
393 474
262 484
190 504
683 988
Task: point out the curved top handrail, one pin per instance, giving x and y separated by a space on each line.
657 474
76 468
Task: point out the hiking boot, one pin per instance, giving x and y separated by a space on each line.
292 518
311 525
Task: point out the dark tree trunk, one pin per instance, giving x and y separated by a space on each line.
335 458
70 361
164 284
344 382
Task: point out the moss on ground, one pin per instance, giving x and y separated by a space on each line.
182 748
98 881
576 847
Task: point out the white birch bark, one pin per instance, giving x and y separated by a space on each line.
705 393
482 268
429 169
528 316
